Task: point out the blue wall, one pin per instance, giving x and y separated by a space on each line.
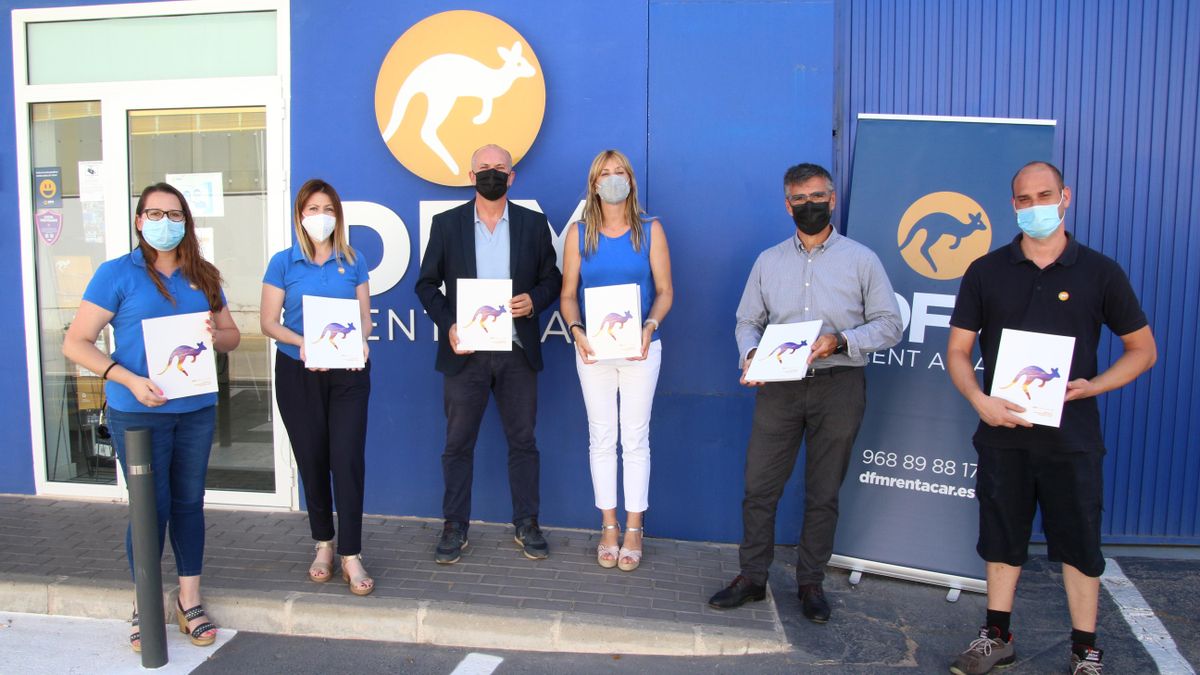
1120 76
711 101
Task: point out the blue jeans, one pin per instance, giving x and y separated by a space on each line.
180 445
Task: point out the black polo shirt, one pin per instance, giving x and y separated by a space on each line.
1072 296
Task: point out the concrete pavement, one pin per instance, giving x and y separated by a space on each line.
67 557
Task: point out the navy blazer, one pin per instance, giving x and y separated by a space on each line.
450 256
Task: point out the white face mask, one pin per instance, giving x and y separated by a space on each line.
319 226
613 188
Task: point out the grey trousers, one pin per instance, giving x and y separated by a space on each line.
824 411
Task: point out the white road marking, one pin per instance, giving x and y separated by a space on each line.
1141 619
477 664
57 645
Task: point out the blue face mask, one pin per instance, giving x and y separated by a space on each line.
1040 222
163 234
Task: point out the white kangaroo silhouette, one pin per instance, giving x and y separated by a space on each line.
445 78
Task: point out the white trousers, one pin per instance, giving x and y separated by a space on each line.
619 389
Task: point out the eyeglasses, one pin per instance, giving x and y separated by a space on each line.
174 215
817 197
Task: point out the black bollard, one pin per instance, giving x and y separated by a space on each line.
147 570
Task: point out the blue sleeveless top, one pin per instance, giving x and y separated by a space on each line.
615 262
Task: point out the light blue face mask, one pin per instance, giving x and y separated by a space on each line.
1040 222
163 234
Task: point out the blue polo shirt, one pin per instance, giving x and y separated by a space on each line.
298 276
123 287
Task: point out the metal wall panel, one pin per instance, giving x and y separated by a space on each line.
1120 76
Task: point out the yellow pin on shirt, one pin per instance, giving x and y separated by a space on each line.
1063 296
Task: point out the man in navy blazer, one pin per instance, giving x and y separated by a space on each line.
490 238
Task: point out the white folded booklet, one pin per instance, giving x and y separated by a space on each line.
1032 371
483 316
782 354
333 335
614 320
179 354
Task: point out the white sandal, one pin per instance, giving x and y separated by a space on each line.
634 556
611 552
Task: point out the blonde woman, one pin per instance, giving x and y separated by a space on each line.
616 243
325 411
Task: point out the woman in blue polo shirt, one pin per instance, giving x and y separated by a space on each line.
325 411
616 243
164 276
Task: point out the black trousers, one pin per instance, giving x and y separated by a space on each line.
514 383
326 418
825 412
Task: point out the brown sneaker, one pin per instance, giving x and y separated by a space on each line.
984 653
1089 663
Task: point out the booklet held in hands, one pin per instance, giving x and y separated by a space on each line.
483 316
179 354
782 354
332 333
1032 371
614 320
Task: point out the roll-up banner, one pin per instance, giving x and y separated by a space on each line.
929 195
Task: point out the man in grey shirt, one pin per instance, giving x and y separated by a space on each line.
814 274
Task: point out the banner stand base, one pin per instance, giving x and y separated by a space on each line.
955 584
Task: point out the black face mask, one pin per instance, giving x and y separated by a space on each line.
491 184
811 217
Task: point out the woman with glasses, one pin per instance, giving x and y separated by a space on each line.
616 244
164 276
324 410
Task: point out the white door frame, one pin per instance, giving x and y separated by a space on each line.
116 100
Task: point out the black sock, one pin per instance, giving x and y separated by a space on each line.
1081 640
1000 621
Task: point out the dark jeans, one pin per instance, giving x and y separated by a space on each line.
823 411
508 376
180 444
326 418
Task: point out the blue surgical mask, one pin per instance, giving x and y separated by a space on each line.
163 234
1040 222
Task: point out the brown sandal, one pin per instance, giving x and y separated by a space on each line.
357 582
325 567
196 635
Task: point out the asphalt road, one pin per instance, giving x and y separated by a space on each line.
881 625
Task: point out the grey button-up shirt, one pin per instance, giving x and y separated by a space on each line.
841 282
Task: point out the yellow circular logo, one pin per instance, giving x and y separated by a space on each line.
942 233
47 189
452 83
1064 296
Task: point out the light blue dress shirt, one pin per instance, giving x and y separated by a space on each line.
492 253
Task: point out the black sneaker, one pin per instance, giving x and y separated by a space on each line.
529 538
1086 661
452 544
739 591
813 604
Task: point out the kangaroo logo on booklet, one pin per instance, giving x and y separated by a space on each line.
453 82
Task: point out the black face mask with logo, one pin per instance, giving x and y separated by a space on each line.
491 184
811 217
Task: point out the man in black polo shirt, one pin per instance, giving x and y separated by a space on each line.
1044 281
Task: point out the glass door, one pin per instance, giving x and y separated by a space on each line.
97 122
216 157
69 244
